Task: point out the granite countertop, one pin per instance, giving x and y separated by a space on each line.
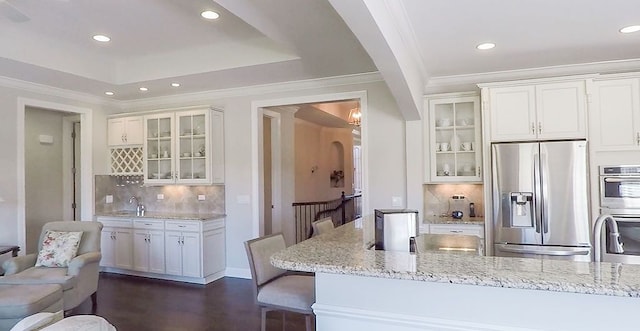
451 220
163 215
345 251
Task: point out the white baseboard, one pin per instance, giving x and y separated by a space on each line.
238 273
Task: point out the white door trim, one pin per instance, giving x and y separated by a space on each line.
256 133
67 164
276 170
86 182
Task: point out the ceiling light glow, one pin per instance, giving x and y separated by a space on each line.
101 38
109 93
143 89
485 46
630 29
210 15
175 84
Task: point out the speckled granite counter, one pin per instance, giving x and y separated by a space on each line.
344 251
163 215
451 220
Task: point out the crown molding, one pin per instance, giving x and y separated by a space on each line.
442 83
22 85
205 96
196 98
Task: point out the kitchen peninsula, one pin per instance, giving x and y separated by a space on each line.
362 289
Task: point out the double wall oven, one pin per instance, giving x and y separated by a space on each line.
620 197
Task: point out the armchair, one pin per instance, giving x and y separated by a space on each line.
79 280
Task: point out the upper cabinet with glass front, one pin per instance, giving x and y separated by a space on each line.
452 133
181 148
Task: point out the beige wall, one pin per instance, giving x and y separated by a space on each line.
386 167
313 149
9 133
43 172
385 140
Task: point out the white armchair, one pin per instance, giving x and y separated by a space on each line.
79 280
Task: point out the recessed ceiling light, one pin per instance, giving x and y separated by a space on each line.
630 29
210 15
101 38
109 93
485 46
143 89
175 84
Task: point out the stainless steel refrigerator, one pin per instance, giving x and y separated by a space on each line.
540 200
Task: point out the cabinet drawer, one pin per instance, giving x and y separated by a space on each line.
114 222
183 226
148 224
466 229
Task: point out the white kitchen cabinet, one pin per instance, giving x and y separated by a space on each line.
453 138
125 131
148 246
182 148
182 250
615 119
464 229
116 241
183 253
539 111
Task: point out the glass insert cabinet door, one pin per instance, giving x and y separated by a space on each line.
159 148
193 146
454 140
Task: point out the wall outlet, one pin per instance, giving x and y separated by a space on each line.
458 197
109 199
201 197
160 196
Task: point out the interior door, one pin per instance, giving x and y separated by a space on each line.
565 213
515 204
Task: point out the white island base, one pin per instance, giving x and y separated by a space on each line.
349 302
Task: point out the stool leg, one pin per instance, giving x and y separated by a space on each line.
94 302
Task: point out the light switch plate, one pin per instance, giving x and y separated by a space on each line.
160 196
201 197
109 199
396 201
243 199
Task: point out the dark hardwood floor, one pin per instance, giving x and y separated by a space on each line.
136 303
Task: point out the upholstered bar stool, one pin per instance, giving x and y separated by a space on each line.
19 301
321 226
275 289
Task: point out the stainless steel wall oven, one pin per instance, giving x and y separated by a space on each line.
620 198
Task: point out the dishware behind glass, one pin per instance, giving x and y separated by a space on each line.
467 146
444 122
444 147
446 169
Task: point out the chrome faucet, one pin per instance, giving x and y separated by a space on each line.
139 206
615 245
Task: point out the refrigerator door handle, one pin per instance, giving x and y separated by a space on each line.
543 190
541 250
536 189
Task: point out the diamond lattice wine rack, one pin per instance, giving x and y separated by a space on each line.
126 161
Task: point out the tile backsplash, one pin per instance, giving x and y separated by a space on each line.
438 199
177 198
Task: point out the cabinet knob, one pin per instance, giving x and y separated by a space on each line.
533 128
638 138
539 127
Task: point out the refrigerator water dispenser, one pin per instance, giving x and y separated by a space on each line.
520 211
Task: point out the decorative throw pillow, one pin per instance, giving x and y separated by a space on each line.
58 248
